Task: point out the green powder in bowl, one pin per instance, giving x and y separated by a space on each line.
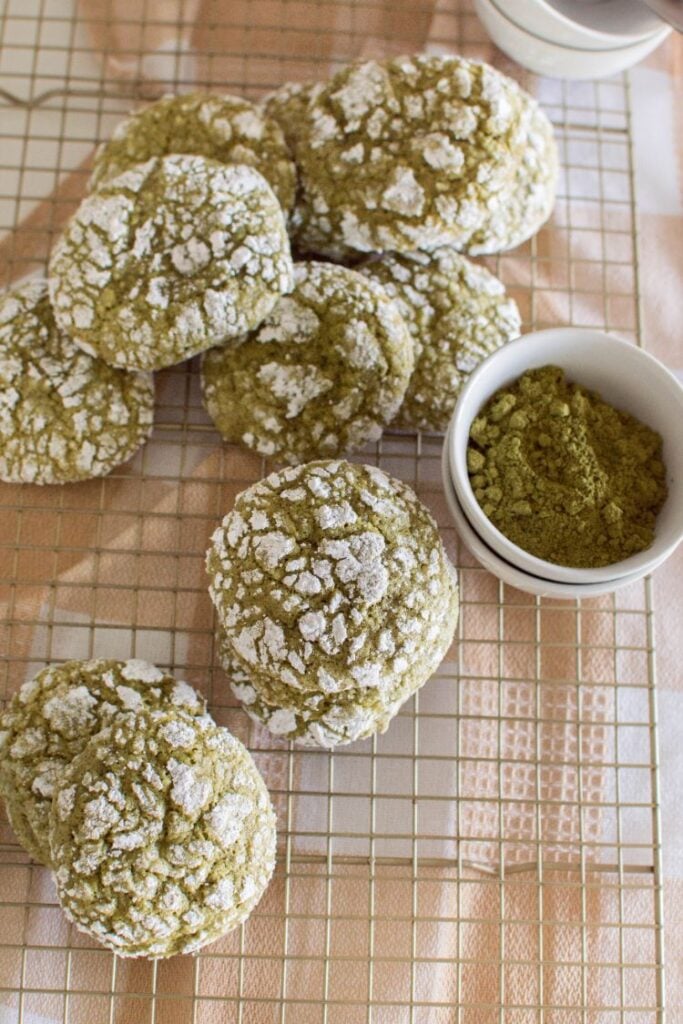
563 474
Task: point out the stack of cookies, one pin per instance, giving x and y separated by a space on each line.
155 821
335 598
379 180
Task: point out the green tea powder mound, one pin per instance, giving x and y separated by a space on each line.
565 475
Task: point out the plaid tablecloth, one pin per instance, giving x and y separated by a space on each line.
211 52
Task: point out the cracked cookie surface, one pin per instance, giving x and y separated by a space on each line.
288 104
228 129
406 153
529 198
328 720
323 374
457 313
171 257
335 595
51 718
64 415
163 834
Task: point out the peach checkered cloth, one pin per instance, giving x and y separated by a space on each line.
182 40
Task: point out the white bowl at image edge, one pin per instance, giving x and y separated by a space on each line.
545 58
612 24
510 574
625 376
634 18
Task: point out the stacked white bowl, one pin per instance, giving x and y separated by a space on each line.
573 38
623 375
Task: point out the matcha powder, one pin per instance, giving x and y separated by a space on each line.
564 475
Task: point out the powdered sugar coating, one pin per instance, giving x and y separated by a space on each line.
414 152
162 833
228 129
323 374
51 718
457 313
171 257
344 606
64 415
288 105
529 198
330 718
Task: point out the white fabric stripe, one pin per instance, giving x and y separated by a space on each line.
670 707
653 105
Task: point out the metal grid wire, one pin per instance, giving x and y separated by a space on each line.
495 855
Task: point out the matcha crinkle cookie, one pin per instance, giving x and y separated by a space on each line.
64 415
169 258
163 834
409 153
288 104
228 129
323 374
335 598
51 718
528 199
457 313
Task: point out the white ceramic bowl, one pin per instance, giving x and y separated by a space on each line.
546 58
584 26
626 19
510 574
625 376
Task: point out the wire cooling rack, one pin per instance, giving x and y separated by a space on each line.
494 857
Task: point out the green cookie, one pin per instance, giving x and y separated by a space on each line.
323 374
404 154
64 416
529 197
51 718
335 594
323 719
162 833
228 129
288 104
171 257
457 313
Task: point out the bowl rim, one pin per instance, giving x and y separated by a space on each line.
494 538
600 31
525 581
632 47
